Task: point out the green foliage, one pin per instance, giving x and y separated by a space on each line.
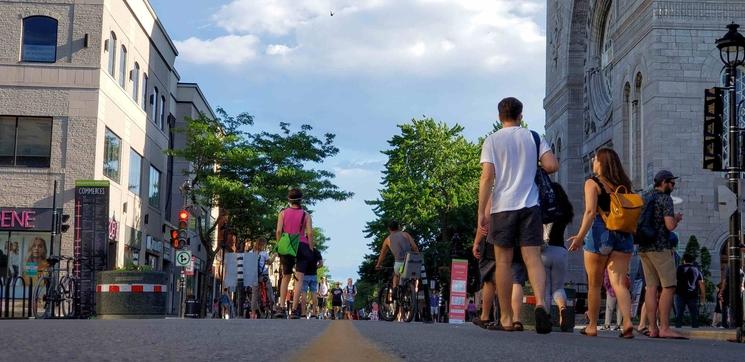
130 267
705 258
693 247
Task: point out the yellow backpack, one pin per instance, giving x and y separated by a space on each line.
625 210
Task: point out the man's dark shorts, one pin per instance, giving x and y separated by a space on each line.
304 258
511 229
287 262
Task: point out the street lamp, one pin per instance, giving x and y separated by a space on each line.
732 52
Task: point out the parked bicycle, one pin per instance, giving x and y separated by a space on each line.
54 296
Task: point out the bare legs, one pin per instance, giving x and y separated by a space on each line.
487 300
298 286
517 301
618 268
285 284
503 284
595 267
665 304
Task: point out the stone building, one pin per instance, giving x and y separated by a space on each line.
88 91
630 75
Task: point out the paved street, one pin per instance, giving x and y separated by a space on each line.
264 340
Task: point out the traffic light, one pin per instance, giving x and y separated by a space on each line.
62 223
174 239
713 129
183 223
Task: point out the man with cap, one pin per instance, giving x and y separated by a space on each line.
657 256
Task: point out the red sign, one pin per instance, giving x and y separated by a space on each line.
25 219
458 297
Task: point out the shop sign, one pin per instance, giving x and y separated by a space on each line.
26 219
458 278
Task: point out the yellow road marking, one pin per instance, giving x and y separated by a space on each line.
342 342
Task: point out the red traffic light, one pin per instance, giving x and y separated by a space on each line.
174 234
183 215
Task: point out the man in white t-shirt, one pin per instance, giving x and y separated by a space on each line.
508 168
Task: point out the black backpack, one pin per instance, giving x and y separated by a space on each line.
646 230
546 193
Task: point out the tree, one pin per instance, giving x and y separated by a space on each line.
247 175
693 247
706 271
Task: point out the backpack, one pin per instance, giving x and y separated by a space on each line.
546 195
289 243
646 230
625 210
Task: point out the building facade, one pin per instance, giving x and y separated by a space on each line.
630 75
88 91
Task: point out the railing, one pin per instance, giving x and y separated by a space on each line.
13 305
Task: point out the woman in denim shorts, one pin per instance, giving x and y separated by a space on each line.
604 249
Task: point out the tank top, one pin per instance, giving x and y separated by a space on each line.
556 235
399 245
291 223
604 197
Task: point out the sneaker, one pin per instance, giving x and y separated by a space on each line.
296 315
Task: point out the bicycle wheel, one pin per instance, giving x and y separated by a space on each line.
408 300
41 299
387 303
66 290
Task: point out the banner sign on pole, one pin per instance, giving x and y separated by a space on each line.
458 279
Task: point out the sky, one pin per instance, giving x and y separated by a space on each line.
371 66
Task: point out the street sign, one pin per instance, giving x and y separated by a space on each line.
190 267
183 258
727 201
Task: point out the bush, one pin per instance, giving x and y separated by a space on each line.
130 267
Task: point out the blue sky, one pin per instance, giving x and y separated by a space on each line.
373 65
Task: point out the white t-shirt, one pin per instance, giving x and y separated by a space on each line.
512 152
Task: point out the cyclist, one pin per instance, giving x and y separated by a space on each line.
399 243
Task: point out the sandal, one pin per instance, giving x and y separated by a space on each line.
564 324
518 327
542 321
643 331
499 327
627 333
491 326
583 332
481 323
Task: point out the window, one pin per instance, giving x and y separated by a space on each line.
144 91
154 105
123 66
154 192
112 53
135 76
25 141
39 39
135 172
162 111
111 155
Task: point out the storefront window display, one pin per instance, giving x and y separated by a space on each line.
25 256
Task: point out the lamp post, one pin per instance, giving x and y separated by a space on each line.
732 52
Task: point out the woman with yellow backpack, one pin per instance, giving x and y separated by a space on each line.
608 224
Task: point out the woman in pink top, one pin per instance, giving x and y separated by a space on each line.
294 220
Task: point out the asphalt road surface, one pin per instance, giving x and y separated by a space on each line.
313 340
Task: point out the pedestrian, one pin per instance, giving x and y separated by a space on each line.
215 309
433 305
350 292
610 306
508 169
374 311
295 221
555 257
323 294
259 248
603 248
337 296
716 319
657 254
225 304
689 292
471 309
310 285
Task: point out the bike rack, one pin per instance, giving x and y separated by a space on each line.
8 298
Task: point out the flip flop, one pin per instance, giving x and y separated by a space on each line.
498 327
491 326
542 321
477 321
518 327
583 332
564 324
627 333
644 331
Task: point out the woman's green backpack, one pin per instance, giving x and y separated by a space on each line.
289 243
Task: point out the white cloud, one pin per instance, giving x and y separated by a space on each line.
227 50
434 37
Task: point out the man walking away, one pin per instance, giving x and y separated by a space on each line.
323 294
657 255
689 292
310 284
337 295
350 291
509 165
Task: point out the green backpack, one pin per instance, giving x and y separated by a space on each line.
289 243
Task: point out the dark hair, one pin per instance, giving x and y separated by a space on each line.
688 258
510 109
611 168
563 203
393 225
294 196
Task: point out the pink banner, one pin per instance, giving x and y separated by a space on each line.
458 297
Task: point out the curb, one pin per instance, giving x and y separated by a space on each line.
714 335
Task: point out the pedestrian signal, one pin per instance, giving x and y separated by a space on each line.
174 240
713 129
63 225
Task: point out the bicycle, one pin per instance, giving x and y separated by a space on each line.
54 297
400 300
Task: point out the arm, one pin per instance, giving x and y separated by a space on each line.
309 230
549 163
411 243
485 189
280 225
591 205
671 220
383 252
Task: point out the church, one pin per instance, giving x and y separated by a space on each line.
630 75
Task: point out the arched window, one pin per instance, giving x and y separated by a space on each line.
135 76
144 91
112 54
162 111
154 102
637 124
39 39
123 66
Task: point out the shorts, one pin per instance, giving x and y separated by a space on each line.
603 241
349 305
288 263
510 229
398 267
304 258
659 268
321 301
519 274
336 303
487 264
310 284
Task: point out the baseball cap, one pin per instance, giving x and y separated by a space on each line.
664 175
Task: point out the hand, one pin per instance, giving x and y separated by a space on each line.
378 267
475 250
483 225
577 242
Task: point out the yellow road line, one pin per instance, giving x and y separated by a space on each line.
342 342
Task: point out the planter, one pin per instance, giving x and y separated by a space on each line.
131 294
